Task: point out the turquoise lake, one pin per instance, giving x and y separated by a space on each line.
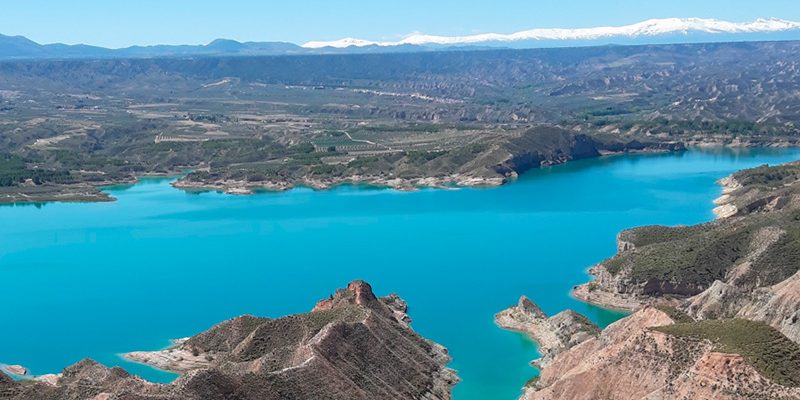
95 280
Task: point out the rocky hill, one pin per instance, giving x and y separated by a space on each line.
353 345
716 306
743 265
651 355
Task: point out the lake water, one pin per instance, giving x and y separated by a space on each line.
95 280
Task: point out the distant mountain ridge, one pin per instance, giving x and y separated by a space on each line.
654 31
19 47
649 28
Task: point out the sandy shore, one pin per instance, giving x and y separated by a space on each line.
174 358
20 372
16 370
724 207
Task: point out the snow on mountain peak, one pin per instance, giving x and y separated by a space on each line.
648 28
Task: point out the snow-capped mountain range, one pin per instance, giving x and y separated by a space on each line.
654 31
649 28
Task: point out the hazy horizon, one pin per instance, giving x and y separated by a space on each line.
114 25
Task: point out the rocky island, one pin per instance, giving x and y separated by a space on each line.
352 345
716 306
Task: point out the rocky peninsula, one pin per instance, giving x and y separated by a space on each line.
492 162
552 334
716 306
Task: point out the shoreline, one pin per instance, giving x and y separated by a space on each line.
611 301
170 359
77 193
447 182
95 192
16 371
724 207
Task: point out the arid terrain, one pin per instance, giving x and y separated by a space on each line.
715 308
404 120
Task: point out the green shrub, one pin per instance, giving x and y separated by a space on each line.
771 353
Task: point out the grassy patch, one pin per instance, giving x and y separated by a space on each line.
646 235
684 266
782 259
677 315
770 177
771 353
422 157
14 171
532 382
326 170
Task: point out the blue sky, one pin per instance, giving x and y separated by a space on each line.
114 23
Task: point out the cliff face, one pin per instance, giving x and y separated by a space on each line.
777 305
550 145
353 345
749 259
